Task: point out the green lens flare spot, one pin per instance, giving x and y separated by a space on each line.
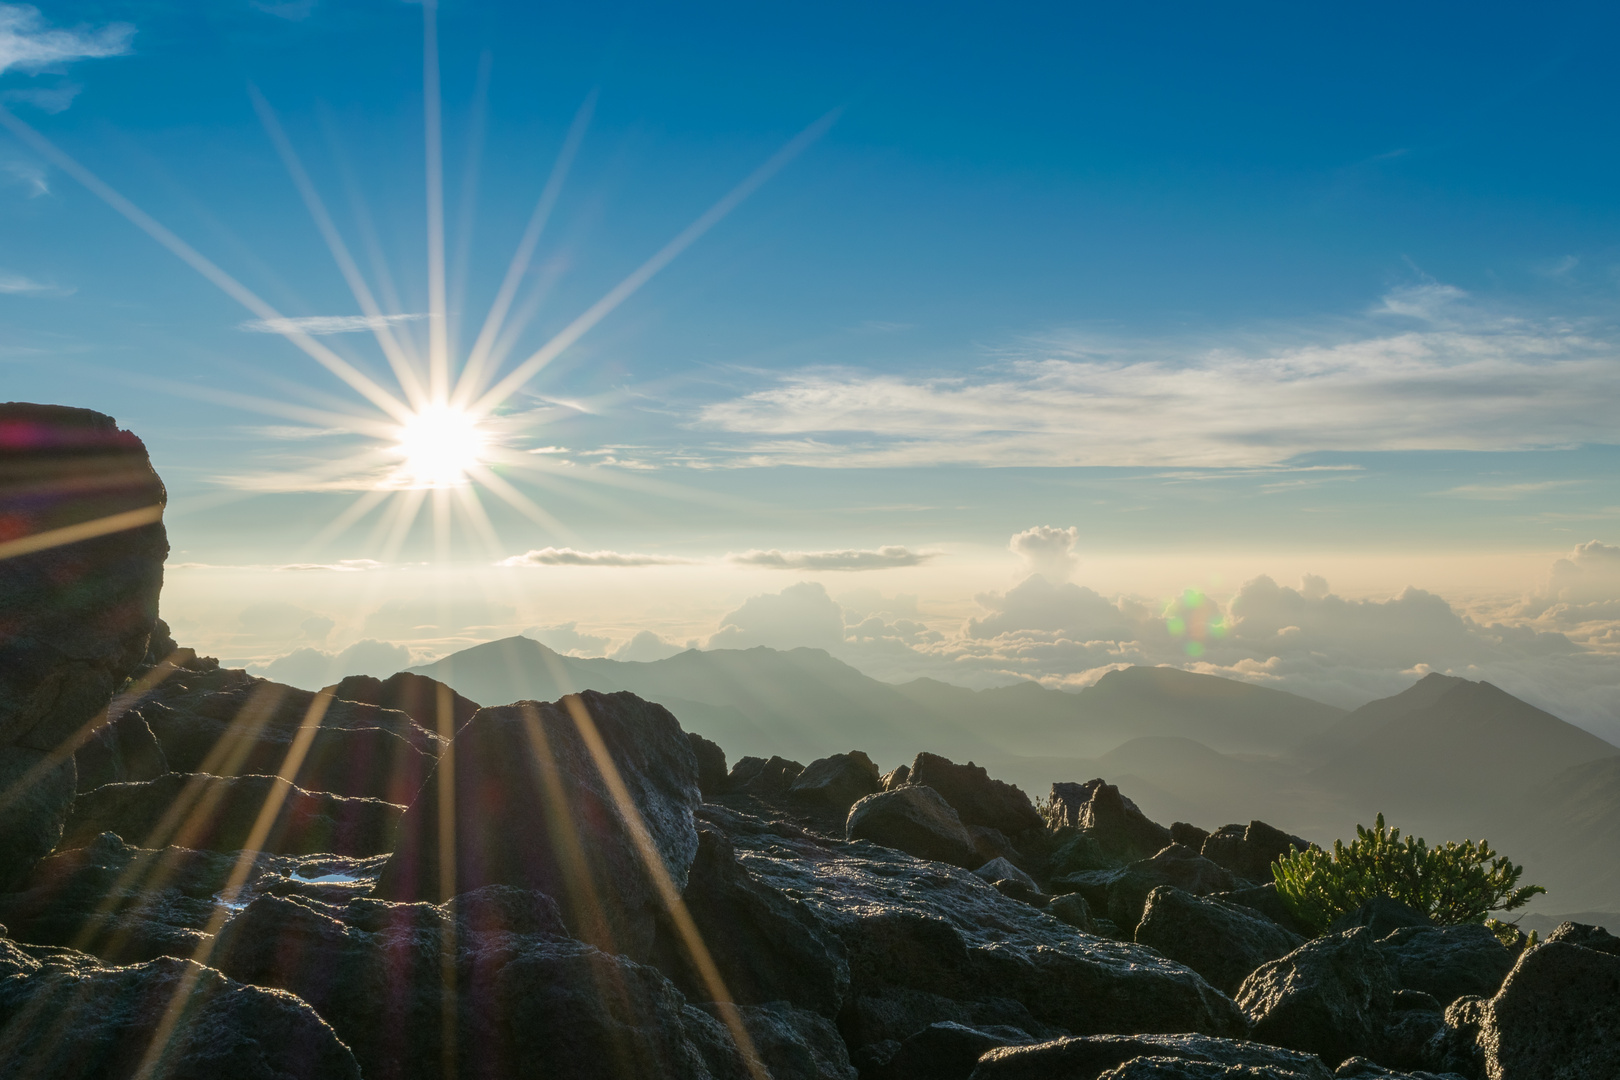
1195 649
1176 625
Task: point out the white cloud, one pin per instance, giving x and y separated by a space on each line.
799 615
29 176
646 646
28 42
312 669
553 556
19 285
882 558
48 99
1049 551
1465 380
569 640
319 325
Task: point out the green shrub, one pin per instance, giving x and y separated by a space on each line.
1455 883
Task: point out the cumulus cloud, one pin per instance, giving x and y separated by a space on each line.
1462 379
1049 551
568 639
882 558
319 325
273 619
312 669
1589 573
553 556
799 615
646 646
28 42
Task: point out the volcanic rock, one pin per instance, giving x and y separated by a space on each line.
763 777
946 1050
1591 937
531 809
1122 894
895 777
1382 915
1330 997
1557 1017
433 705
929 928
119 752
222 813
1249 850
1091 1057
1447 962
837 782
975 796
78 613
914 819
1001 870
68 1018
1099 810
1222 942
795 1044
486 982
711 766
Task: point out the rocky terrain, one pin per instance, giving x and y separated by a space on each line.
210 875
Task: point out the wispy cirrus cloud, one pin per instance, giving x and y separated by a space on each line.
21 285
883 558
28 42
554 556
1465 380
320 325
28 175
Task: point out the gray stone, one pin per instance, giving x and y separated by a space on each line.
795 1044
977 798
1249 850
837 782
1222 942
1382 915
895 777
1557 1017
712 779
1072 909
68 1018
761 777
530 809
1587 936
1332 996
1092 1057
119 752
1102 813
1000 869
947 1050
1176 865
914 819
1448 962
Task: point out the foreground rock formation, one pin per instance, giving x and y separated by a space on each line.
384 880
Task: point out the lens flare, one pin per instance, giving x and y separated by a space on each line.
439 446
1196 618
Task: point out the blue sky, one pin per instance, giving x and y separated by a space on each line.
1263 281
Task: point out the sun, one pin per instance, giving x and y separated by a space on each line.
440 444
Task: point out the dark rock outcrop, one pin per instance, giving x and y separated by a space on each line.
977 799
762 776
837 782
1267 901
1116 823
222 813
1382 915
429 702
914 819
84 547
946 1050
796 1044
1122 894
1331 997
1222 942
1557 1017
1447 962
119 752
1092 1057
1591 937
1249 850
928 928
711 762
68 1018
531 809
487 983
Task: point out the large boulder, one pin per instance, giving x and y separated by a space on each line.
763 777
946 1050
1249 850
1447 962
432 704
927 931
1382 915
1332 997
1222 942
83 547
1122 894
1091 1057
1557 1017
64 1016
914 819
488 984
795 1044
1098 810
977 798
711 761
222 813
227 723
1591 937
767 946
118 752
529 807
837 782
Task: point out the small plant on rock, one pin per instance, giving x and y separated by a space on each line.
1453 883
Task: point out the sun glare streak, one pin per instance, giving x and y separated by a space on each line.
233 288
397 360
662 258
473 372
521 502
433 138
